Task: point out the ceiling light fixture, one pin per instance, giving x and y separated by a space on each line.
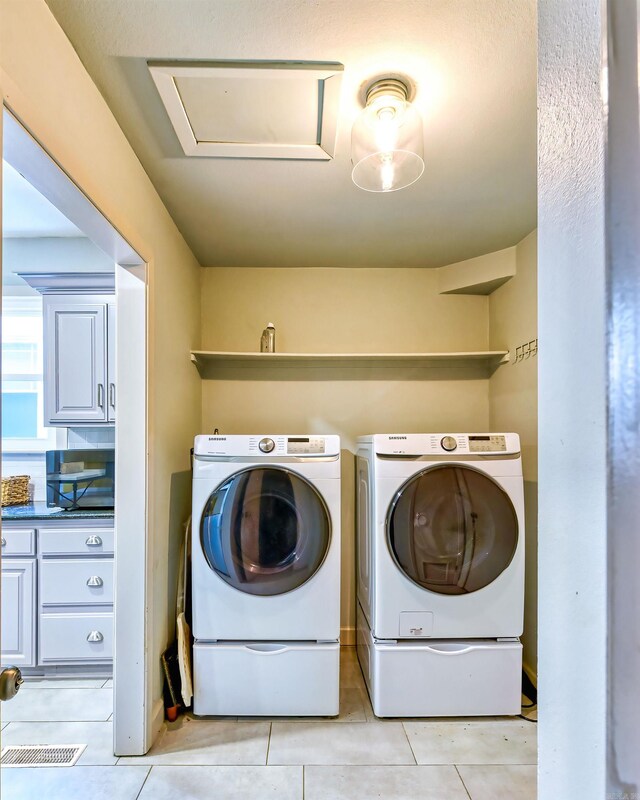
387 139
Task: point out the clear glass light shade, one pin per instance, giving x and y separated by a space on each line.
387 145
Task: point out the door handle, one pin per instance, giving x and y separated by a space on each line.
112 395
93 541
101 395
95 636
95 580
10 681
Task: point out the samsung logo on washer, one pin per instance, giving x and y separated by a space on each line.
217 438
397 437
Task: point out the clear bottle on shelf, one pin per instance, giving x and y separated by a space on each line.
268 339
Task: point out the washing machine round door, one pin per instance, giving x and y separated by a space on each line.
265 530
452 529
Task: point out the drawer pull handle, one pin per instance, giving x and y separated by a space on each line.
94 541
95 580
95 636
4 541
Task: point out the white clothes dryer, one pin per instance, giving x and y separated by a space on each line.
441 572
266 575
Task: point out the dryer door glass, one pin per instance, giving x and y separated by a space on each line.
265 531
452 530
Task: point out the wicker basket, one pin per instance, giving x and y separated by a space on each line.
15 490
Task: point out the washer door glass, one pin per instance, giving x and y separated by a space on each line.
452 530
265 531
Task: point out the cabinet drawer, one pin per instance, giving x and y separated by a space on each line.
81 581
18 542
76 541
76 637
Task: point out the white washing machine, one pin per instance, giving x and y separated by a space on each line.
441 573
266 575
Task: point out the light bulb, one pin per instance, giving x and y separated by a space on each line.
387 140
387 171
386 136
386 114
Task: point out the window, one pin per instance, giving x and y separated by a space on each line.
22 380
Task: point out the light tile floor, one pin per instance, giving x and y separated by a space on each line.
354 756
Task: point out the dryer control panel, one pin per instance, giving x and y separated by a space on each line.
445 444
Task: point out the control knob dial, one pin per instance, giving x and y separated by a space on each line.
448 443
266 445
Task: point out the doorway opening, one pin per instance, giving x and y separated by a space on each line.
74 398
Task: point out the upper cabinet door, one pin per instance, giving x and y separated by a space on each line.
111 363
75 363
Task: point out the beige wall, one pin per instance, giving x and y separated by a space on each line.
45 84
513 403
341 310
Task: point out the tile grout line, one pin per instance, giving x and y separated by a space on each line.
146 778
455 766
266 763
409 743
303 780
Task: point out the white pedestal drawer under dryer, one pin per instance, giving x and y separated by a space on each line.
441 573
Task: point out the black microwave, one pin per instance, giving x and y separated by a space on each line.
81 478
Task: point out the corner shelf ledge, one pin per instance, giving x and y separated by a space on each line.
487 357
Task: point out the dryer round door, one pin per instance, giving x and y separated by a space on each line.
452 529
265 531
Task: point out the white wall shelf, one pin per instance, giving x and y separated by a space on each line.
488 358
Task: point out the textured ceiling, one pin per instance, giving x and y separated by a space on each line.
474 65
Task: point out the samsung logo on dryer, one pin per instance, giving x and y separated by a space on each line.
217 438
397 437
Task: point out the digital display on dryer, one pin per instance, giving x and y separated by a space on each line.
487 444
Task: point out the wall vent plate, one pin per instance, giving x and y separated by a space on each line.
252 109
41 755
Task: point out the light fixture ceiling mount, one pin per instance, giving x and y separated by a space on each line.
387 138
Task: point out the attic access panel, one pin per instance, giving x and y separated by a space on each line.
252 109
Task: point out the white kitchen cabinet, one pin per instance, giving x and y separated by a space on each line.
57 595
18 612
79 359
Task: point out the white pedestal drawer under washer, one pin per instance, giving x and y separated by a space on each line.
441 560
266 574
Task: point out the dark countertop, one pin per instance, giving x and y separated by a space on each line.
39 510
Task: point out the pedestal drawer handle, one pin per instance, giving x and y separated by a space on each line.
4 541
94 541
95 636
95 580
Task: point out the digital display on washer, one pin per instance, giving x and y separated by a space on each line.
298 445
487 444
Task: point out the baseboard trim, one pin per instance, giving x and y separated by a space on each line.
157 719
347 637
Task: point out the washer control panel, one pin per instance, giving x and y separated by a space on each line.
305 445
495 443
267 446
